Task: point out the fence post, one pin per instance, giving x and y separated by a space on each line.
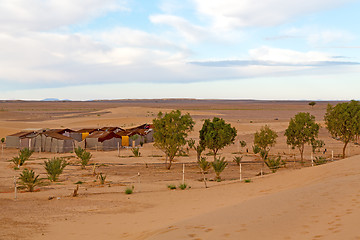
183 177
312 160
240 173
138 177
118 145
332 155
15 188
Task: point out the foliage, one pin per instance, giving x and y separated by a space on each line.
317 145
29 180
171 186
102 178
302 129
237 159
312 104
183 186
204 165
247 180
54 167
264 140
2 140
24 155
170 132
219 165
343 121
136 151
319 160
274 163
198 148
242 143
79 182
129 190
217 134
83 155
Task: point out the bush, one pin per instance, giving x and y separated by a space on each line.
274 163
204 165
129 190
24 155
102 178
29 180
320 160
183 186
219 165
171 186
83 155
54 167
237 159
247 180
136 151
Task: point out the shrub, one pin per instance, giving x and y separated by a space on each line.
54 167
247 180
219 165
320 160
102 178
24 155
136 151
237 159
204 165
274 163
83 155
2 140
29 180
171 186
129 190
183 186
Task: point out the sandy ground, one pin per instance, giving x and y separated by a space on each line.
297 202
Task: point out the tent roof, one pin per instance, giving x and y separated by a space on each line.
102 136
21 134
57 136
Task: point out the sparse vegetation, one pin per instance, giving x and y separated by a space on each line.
312 104
102 178
83 155
54 167
264 140
171 186
183 186
247 180
28 179
129 190
219 166
320 160
204 166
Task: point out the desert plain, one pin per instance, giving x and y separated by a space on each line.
297 202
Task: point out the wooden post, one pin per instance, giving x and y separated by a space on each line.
15 188
261 173
240 173
118 145
138 177
183 178
312 160
332 155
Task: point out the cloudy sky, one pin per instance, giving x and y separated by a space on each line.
231 49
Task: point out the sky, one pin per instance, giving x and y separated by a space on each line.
205 49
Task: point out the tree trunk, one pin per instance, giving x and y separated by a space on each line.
301 148
344 148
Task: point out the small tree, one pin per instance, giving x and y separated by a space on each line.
170 132
317 145
216 135
54 167
237 159
274 163
264 140
312 104
204 166
302 130
29 180
24 155
83 155
343 121
136 152
219 165
198 148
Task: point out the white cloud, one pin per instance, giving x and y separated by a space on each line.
19 15
229 14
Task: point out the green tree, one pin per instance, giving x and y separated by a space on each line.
170 132
312 104
29 180
302 130
84 156
343 121
219 166
264 140
216 134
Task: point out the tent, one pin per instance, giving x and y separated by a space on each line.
19 140
100 140
56 143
